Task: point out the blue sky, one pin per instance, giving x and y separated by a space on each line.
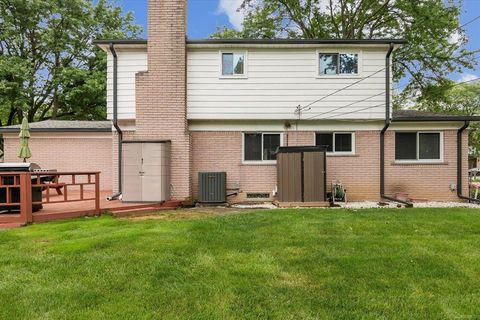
205 16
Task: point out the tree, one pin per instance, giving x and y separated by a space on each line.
454 98
436 42
49 67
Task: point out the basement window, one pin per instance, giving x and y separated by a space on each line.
233 64
336 142
258 195
260 147
418 146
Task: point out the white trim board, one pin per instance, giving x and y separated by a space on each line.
332 125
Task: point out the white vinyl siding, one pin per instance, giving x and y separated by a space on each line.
278 80
130 62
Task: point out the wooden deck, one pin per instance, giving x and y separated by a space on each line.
66 210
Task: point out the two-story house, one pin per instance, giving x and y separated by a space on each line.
227 105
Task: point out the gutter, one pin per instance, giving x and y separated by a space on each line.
115 122
258 41
385 128
459 164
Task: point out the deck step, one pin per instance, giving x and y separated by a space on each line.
127 212
6 226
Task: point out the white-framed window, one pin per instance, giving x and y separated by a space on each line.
261 147
233 64
420 146
338 63
336 142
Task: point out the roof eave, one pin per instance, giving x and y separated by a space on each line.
296 41
436 118
119 41
15 130
218 42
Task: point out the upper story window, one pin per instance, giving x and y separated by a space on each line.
337 63
233 64
418 146
260 147
336 142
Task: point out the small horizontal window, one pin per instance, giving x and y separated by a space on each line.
336 142
233 64
261 146
418 146
338 63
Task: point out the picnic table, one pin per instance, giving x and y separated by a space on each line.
51 179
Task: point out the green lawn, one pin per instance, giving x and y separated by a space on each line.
279 264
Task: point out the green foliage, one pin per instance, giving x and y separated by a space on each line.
431 28
49 67
453 98
270 264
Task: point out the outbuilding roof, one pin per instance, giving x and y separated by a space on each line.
63 126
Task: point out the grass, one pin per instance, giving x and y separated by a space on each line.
282 264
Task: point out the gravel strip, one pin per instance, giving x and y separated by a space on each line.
430 204
372 205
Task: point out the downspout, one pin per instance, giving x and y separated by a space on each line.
382 133
459 163
115 122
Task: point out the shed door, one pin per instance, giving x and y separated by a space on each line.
289 176
314 176
132 171
152 171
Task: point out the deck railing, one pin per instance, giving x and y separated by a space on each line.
23 190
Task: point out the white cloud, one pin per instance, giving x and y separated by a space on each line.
455 37
467 77
230 8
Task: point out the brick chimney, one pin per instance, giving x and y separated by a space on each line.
161 91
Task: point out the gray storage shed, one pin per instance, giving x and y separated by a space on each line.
146 171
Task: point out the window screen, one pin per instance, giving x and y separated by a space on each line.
338 63
261 146
233 64
343 142
325 140
271 142
349 63
328 63
253 147
429 146
406 146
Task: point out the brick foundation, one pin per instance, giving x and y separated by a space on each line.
360 173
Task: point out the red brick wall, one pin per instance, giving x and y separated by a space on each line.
222 151
360 173
430 181
67 152
161 92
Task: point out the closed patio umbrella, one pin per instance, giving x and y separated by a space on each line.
24 152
